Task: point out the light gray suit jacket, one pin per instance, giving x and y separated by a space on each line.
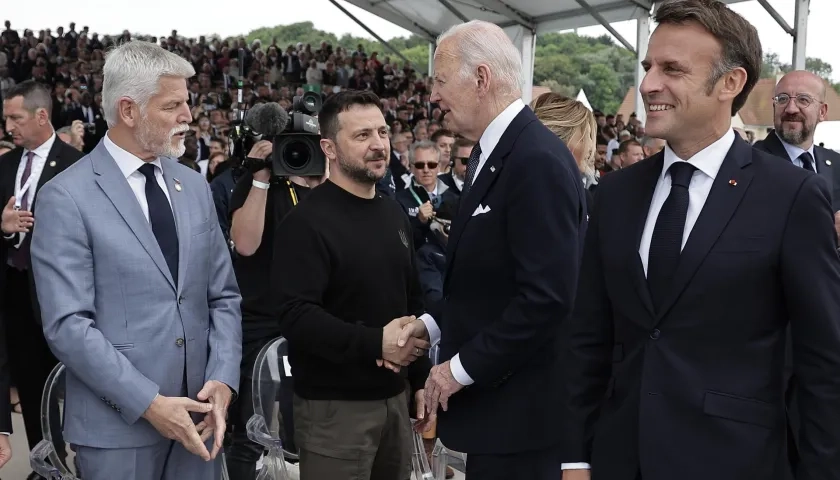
111 311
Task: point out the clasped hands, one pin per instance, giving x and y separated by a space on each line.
171 418
404 340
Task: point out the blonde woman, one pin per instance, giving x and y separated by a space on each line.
570 120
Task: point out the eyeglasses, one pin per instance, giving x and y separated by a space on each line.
463 160
802 100
421 165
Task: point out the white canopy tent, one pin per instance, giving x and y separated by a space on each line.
524 19
581 97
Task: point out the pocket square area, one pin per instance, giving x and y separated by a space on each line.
481 209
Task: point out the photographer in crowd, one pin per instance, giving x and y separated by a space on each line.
258 204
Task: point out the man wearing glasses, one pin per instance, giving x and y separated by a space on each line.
460 157
799 105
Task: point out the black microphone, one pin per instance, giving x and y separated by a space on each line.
267 119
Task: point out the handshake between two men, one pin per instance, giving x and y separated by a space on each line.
404 340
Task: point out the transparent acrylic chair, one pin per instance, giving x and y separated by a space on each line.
442 457
272 381
44 458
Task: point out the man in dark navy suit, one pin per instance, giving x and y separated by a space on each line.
513 255
799 106
696 261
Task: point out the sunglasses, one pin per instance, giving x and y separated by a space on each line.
463 160
421 165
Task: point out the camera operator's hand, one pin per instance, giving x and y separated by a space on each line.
262 150
426 212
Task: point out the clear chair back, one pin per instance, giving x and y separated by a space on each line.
44 458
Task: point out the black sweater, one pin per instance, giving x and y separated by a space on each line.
344 268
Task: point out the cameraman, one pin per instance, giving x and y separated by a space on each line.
258 204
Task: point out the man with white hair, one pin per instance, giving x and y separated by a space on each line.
138 297
513 254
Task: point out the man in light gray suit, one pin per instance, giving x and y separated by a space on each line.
137 293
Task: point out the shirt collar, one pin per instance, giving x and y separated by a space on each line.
792 150
43 150
707 160
128 162
491 136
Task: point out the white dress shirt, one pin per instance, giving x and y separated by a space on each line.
38 162
794 152
129 165
488 141
708 162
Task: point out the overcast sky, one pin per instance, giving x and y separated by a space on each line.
159 17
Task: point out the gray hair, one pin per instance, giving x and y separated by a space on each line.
484 42
424 145
134 70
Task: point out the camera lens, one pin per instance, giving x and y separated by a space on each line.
296 155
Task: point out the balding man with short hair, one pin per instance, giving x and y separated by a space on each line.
799 106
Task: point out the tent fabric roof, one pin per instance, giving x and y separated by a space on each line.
430 18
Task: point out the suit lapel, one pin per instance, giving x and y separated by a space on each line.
774 145
824 167
110 179
639 206
53 165
728 189
182 223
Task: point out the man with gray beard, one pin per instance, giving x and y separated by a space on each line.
136 288
799 105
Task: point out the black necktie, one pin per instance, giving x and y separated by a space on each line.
807 161
162 220
472 167
666 242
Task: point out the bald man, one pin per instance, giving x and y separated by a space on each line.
799 105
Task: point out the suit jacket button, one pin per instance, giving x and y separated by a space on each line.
655 334
180 300
179 342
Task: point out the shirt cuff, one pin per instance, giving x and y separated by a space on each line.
432 328
461 376
5 433
575 466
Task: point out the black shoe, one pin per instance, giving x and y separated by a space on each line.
34 476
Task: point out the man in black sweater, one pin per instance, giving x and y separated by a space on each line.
355 289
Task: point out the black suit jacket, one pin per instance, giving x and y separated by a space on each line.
60 157
5 384
695 391
827 163
510 284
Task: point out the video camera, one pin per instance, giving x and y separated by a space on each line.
296 139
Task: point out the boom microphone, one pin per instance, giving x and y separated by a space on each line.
267 119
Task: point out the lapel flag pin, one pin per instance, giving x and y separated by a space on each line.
828 162
177 185
52 163
733 182
492 169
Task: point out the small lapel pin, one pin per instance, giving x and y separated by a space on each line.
492 169
733 182
828 162
177 185
52 163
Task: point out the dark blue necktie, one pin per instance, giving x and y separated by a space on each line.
666 242
472 168
161 219
807 161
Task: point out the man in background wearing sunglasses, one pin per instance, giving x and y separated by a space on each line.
460 157
427 194
799 105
